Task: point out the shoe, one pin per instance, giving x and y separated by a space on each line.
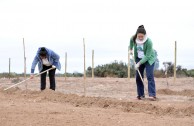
140 97
152 98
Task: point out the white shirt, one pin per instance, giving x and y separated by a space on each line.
140 43
140 51
46 62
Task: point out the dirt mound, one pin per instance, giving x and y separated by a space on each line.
189 93
81 101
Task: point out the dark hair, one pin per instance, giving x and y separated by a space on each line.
140 29
43 51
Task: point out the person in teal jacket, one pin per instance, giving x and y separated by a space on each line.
145 57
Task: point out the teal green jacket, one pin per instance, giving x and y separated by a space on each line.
148 51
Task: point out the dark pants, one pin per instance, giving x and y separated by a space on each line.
51 78
150 78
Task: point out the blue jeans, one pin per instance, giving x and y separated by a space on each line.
150 78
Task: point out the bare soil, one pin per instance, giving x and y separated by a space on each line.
108 102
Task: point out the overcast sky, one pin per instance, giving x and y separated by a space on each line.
106 25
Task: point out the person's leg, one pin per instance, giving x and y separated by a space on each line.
150 78
140 86
43 79
52 79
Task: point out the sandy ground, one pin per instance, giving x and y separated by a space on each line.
108 102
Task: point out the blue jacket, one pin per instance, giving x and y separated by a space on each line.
52 57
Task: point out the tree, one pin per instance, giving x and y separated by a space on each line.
114 69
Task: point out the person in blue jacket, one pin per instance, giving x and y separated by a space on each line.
46 59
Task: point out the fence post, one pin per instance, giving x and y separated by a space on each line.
175 59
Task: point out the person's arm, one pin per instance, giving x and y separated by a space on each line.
131 44
148 53
55 57
34 63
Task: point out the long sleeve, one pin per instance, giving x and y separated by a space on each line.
131 44
55 57
34 63
148 52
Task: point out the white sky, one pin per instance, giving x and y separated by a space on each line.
106 25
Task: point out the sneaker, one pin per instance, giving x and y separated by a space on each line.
152 98
140 97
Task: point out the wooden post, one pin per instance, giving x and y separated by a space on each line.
84 67
65 66
129 65
175 54
92 64
24 62
9 68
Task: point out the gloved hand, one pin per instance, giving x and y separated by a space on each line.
54 67
130 52
137 65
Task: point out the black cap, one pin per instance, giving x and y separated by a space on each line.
43 51
141 29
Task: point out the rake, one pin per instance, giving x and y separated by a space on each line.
28 79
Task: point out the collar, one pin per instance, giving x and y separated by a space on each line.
143 41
